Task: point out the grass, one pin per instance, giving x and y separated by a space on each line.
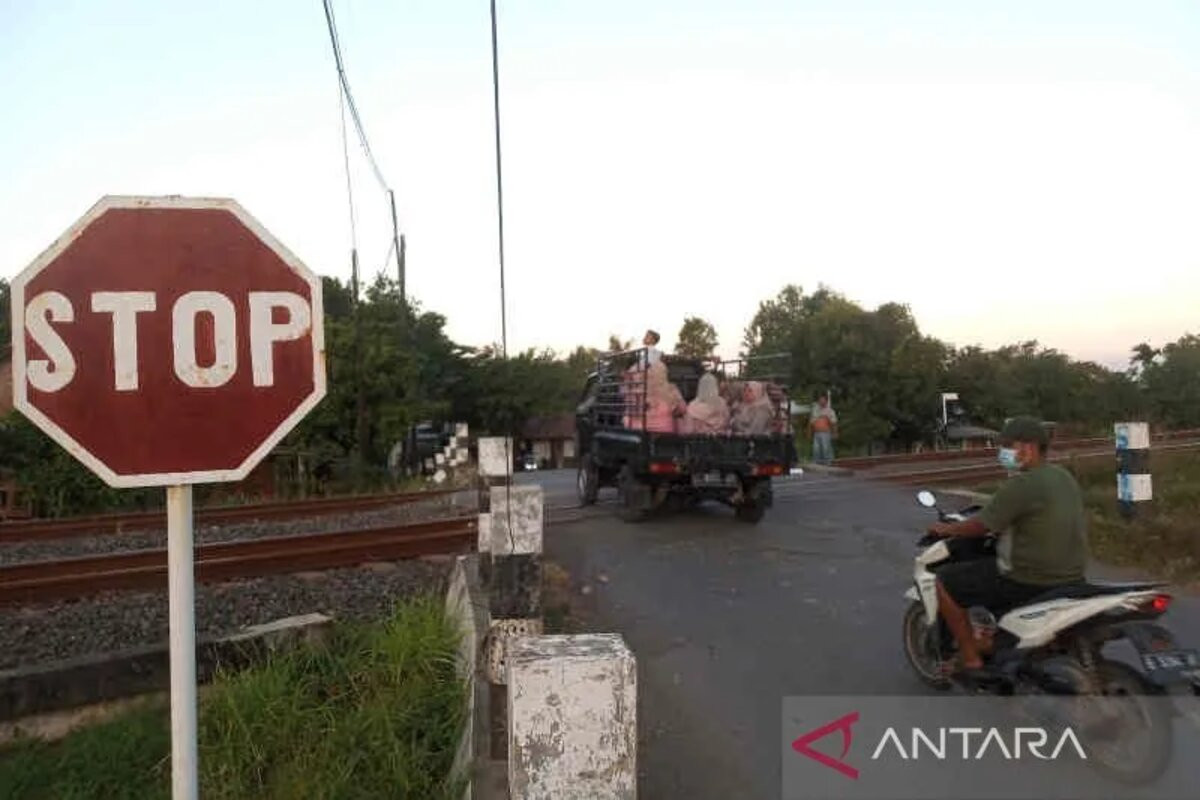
375 712
1164 537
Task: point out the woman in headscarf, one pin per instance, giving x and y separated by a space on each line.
754 414
664 403
708 413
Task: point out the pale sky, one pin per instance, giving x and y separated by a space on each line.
1011 170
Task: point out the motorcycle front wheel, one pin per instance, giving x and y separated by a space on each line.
922 647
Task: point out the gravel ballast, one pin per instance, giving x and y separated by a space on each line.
115 621
460 504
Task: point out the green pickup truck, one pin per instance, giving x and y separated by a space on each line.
654 470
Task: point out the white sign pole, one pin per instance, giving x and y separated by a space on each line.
181 583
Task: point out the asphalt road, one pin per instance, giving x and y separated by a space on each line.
727 619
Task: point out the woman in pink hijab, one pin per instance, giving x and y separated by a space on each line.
663 401
755 413
708 413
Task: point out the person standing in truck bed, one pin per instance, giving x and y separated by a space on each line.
823 423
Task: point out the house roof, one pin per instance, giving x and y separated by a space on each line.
559 426
970 432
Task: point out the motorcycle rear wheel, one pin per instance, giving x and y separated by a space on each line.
1136 699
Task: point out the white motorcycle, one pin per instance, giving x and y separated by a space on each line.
1054 644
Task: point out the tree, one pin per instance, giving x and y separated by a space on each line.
1172 383
615 345
697 338
5 322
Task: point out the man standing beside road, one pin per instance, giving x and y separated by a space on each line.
823 423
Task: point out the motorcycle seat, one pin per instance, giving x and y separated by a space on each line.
1082 591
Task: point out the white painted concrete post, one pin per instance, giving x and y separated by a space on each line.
515 572
1133 465
181 593
495 457
572 718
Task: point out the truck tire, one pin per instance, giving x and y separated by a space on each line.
757 498
751 512
634 496
587 481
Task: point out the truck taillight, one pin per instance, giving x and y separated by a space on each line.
768 469
664 468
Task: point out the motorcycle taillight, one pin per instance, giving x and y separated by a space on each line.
1158 604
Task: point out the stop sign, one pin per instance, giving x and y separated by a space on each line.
167 341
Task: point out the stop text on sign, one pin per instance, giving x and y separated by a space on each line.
274 317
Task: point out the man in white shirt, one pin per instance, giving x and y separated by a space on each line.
650 342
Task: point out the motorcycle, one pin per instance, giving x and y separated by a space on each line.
1053 645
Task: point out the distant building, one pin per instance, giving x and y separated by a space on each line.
551 440
964 436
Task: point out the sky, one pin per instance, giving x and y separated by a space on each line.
1011 171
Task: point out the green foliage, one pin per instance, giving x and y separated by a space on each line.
505 392
54 482
1162 538
5 319
123 759
376 712
883 375
1029 379
616 345
697 338
1171 378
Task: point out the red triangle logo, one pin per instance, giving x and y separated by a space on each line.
843 724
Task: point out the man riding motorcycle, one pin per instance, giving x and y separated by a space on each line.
1039 515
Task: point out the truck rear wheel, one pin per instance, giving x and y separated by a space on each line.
750 512
756 499
587 481
634 496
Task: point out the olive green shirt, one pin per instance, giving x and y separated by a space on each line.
1039 516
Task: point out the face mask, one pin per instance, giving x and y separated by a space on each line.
1008 458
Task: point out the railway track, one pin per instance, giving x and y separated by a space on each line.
975 473
936 456
107 524
44 581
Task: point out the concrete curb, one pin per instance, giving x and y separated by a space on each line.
827 470
467 606
90 680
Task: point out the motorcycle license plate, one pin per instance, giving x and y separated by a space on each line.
1183 662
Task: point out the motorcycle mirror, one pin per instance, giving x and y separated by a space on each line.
926 498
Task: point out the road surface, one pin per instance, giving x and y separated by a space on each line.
727 619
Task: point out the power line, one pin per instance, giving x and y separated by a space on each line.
346 101
346 165
341 69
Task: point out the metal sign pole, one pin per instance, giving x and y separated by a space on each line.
181 583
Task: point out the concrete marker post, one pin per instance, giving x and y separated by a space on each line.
572 708
1133 466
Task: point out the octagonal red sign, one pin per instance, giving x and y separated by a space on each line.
167 340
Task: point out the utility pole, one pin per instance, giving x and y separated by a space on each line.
360 421
398 243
